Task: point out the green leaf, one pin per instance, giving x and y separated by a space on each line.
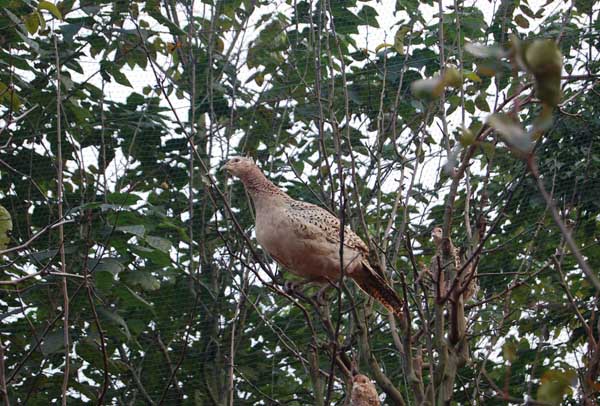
14 100
70 30
509 351
161 244
489 149
120 77
9 97
125 199
143 279
104 281
85 389
110 265
41 20
157 15
130 297
46 5
467 137
399 39
369 16
91 352
481 102
259 78
35 46
31 22
555 385
53 343
44 254
512 132
472 76
544 59
157 257
584 6
452 77
137 230
115 319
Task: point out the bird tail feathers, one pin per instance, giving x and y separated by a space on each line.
375 286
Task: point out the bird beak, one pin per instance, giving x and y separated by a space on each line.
224 167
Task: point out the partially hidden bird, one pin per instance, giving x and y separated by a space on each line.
305 239
467 282
363 392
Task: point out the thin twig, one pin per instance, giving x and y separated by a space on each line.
3 388
34 237
61 232
183 351
533 168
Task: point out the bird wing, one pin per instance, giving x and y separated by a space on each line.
314 222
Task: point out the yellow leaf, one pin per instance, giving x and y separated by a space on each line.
399 39
543 57
259 78
481 102
509 351
384 45
9 97
544 60
41 20
467 138
46 5
555 385
219 45
5 228
473 76
32 23
452 77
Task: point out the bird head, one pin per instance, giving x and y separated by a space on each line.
238 166
436 234
361 379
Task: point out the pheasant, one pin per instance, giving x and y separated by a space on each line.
467 283
305 239
364 392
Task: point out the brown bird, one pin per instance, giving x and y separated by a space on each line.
467 283
364 392
305 239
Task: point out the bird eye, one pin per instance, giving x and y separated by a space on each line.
234 160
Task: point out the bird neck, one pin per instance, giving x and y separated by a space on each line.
259 186
445 247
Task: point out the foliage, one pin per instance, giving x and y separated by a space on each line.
130 107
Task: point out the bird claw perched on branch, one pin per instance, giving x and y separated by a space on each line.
321 295
291 287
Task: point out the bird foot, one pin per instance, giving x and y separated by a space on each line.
291 287
321 296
